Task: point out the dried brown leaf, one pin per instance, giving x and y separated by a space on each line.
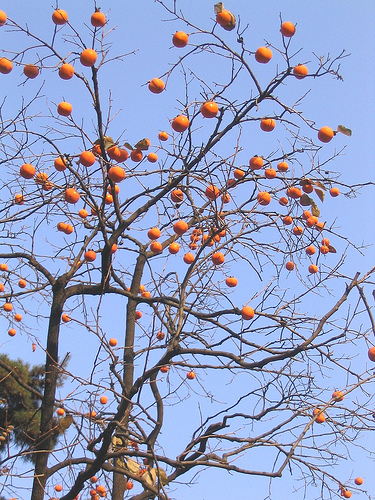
320 194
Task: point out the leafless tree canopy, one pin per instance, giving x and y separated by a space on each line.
203 373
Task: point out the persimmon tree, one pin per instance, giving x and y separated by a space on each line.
192 270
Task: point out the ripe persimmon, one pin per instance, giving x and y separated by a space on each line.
164 369
174 248
101 489
8 307
324 249
347 494
371 351
83 213
270 173
58 487
138 315
180 39
190 375
3 267
11 332
66 71
60 164
19 199
177 196
325 134
154 233
98 19
282 166
188 258
156 85
71 195
103 400
87 158
129 485
264 198
180 227
112 342
247 313
116 174
287 29
294 192
117 189
231 281
3 18
108 199
118 154
358 481
68 229
64 108
297 230
226 19
334 192
65 318
320 416
267 124
18 317
6 66
156 247
41 178
60 17
311 221
307 188
218 258
88 57
238 173
152 157
22 283
287 220
160 335
61 226
283 201
310 250
290 265
163 136
136 155
256 163
212 192
209 109
60 412
31 71
90 256
263 55
313 268
300 71
180 123
338 395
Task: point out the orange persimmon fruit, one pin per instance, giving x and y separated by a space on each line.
60 17
180 39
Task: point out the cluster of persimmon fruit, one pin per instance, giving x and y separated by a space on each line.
180 124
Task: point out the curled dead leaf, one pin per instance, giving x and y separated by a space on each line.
320 194
65 423
314 209
143 144
344 130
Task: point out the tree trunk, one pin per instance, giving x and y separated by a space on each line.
43 446
119 480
